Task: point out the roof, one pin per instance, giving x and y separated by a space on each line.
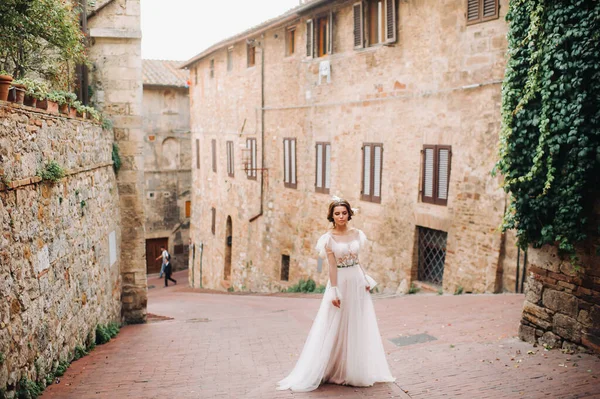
289 15
164 73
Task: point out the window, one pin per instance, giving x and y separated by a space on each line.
230 158
372 166
319 36
251 54
251 165
196 75
212 68
213 212
289 163
197 153
436 173
188 209
432 255
481 11
290 41
214 155
285 267
323 167
379 26
230 59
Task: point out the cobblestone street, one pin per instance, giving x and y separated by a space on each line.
210 345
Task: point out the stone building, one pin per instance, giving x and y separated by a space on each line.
393 105
167 162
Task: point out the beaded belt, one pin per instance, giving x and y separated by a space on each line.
349 263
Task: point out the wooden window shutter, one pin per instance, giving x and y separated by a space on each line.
428 174
309 38
289 163
390 23
359 33
366 169
293 162
481 11
319 168
323 166
197 154
330 34
327 167
372 172
286 162
376 170
214 155
188 209
230 168
444 154
214 220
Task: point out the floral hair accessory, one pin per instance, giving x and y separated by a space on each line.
335 198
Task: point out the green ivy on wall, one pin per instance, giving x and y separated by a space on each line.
550 141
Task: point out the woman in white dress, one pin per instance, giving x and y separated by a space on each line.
343 346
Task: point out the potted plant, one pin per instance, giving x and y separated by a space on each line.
17 91
79 109
36 92
92 113
55 99
5 81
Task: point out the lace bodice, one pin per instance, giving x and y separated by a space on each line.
345 247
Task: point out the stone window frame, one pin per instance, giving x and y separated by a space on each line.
361 13
321 148
212 68
369 169
431 174
478 11
319 43
290 161
230 159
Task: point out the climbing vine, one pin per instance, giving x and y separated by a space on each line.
550 142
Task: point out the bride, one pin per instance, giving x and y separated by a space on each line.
344 345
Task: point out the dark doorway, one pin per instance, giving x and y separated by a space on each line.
228 247
152 252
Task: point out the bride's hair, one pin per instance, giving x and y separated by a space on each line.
340 202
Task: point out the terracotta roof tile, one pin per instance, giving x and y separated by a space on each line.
164 73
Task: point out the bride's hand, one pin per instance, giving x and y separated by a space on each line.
336 302
368 288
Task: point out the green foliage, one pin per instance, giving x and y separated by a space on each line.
49 379
102 335
440 291
113 329
459 290
35 88
52 172
550 142
2 358
58 97
28 389
320 289
116 157
62 368
107 124
41 36
306 286
413 289
79 352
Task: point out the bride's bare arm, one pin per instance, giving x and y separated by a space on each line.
333 278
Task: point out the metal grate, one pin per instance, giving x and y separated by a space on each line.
432 254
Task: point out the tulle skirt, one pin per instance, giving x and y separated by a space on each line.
344 345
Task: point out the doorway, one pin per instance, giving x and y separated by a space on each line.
228 246
152 252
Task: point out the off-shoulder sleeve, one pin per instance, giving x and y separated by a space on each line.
362 239
322 245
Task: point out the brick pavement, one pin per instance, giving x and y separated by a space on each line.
239 346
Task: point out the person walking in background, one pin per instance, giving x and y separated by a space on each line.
166 258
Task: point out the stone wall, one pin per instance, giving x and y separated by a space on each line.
439 84
562 302
167 169
117 79
59 277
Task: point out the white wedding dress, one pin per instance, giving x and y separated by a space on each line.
344 345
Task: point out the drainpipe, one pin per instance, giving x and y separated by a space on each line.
201 252
262 128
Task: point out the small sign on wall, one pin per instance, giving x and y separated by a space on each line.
112 247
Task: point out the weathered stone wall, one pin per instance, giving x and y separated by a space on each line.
58 276
167 173
439 84
562 302
117 79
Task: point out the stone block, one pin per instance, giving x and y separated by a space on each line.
560 302
537 315
550 340
527 333
567 327
534 291
591 339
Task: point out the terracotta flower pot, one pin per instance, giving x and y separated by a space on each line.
30 101
52 107
17 94
63 109
72 112
42 104
81 114
5 81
